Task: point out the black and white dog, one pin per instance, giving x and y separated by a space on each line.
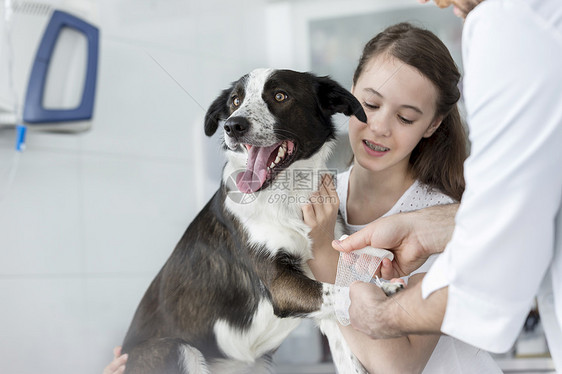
237 283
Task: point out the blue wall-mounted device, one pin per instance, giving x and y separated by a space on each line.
34 111
48 66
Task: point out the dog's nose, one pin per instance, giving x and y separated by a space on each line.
236 126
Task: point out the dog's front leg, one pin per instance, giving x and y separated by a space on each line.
294 294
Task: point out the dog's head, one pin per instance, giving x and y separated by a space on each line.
278 117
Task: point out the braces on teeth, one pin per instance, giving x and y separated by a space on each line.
375 147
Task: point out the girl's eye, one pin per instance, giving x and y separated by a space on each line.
405 121
235 101
280 96
370 106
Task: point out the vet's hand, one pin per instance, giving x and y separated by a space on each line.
412 237
117 366
389 233
367 312
321 215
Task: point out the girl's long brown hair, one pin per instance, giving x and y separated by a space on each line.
438 160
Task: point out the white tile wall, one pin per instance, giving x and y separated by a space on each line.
134 212
109 308
90 218
43 325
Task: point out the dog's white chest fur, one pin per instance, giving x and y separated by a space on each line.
276 226
265 335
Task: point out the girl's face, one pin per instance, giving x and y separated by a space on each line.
400 106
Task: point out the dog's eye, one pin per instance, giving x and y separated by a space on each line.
280 96
235 101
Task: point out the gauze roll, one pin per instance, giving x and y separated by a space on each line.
354 266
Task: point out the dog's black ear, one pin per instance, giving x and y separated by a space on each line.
336 99
217 112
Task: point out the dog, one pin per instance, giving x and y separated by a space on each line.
237 282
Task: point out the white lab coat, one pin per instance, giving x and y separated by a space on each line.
508 231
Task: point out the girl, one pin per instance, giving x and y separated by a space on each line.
408 156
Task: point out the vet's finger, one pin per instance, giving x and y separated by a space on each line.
365 292
387 270
358 240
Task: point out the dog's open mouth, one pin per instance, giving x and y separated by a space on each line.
263 164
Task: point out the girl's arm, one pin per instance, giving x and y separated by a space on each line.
407 354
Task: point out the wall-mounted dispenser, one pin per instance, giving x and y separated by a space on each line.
48 68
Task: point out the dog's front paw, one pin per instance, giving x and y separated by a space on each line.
391 288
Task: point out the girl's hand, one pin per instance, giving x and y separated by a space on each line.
117 366
321 215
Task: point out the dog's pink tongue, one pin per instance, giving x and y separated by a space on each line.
254 177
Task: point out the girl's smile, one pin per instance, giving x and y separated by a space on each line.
375 149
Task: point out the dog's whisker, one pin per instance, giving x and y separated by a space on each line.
284 132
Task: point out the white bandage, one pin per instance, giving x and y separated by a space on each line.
358 265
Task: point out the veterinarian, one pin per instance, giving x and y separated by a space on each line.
506 245
408 155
